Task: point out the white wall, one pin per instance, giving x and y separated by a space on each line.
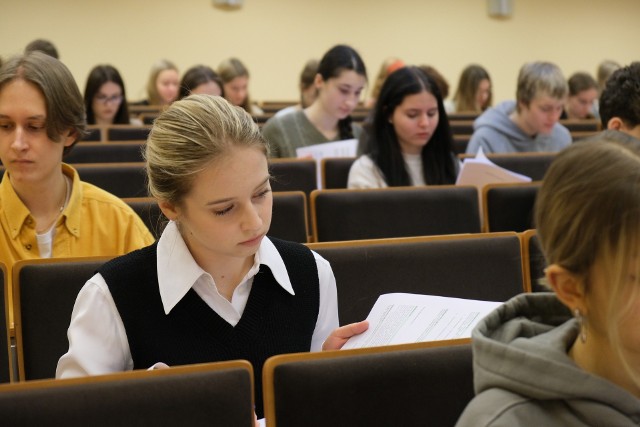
275 37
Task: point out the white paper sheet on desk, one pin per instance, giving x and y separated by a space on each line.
402 318
480 171
344 148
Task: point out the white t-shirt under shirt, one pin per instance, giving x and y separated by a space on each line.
45 240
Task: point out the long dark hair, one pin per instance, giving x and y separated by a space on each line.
335 60
384 148
197 75
98 76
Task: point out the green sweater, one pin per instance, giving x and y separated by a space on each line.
290 131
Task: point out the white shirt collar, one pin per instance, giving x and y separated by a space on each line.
178 271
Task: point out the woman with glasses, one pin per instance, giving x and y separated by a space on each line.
105 98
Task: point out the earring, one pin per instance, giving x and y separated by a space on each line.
581 322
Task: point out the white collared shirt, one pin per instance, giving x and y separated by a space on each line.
98 341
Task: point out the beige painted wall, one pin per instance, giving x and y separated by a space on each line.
275 37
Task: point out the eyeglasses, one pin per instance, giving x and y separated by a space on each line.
103 99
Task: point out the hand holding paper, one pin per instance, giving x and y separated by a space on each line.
406 318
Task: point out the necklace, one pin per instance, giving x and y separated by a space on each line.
64 203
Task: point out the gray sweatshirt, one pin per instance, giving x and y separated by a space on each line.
495 132
523 375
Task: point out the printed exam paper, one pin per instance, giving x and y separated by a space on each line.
402 318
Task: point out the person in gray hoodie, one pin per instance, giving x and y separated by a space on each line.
571 357
531 122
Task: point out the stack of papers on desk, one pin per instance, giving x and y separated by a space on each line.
480 171
406 318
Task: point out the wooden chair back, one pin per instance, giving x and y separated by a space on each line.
533 261
423 384
343 214
509 206
120 179
94 134
472 266
100 152
5 342
44 293
206 394
461 127
335 171
292 174
127 132
289 219
149 212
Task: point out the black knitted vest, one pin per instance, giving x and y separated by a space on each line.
273 322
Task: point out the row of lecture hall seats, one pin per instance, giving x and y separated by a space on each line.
289 219
303 214
297 174
461 122
497 266
461 128
97 133
411 382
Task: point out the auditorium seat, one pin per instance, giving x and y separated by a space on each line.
478 266
292 174
289 217
44 293
461 127
100 152
148 118
533 261
582 125
419 384
5 343
127 133
462 116
219 394
343 214
533 165
148 210
509 206
94 133
121 179
335 171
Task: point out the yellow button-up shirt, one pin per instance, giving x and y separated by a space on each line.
94 223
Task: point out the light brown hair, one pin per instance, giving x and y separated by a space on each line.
63 100
188 136
153 96
465 96
588 209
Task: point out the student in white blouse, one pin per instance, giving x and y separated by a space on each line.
408 141
214 287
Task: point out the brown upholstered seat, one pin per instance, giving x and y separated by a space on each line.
475 266
100 152
343 214
425 384
44 292
219 394
5 344
509 207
